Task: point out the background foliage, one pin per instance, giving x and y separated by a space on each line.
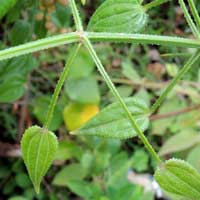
89 167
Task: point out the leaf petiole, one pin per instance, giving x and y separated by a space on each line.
101 69
59 86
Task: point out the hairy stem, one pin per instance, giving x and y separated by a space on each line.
101 69
38 45
194 13
187 67
143 39
76 16
59 86
155 3
68 38
189 19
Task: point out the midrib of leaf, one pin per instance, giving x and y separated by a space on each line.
37 158
46 158
118 25
111 122
186 171
184 183
29 151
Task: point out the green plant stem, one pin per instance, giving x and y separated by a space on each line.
186 67
101 69
38 45
68 38
143 39
189 19
76 16
155 3
59 85
194 13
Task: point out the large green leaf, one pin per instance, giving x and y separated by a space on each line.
180 142
112 122
179 178
13 75
5 6
122 16
38 147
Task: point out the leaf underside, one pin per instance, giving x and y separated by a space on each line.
179 178
112 122
38 150
122 16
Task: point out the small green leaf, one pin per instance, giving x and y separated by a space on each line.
179 142
112 122
5 6
140 160
38 147
83 90
179 178
193 157
83 65
122 16
69 173
20 33
83 2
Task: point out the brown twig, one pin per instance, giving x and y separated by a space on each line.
172 114
23 113
9 150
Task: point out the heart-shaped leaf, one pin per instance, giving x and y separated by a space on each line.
112 122
38 147
121 16
179 178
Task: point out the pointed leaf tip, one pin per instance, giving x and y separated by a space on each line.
38 148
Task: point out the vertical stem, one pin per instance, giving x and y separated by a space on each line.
101 69
194 13
76 16
187 66
155 3
189 19
59 85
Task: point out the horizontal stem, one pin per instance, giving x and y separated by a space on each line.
143 39
38 45
68 38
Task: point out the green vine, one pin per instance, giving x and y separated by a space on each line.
87 37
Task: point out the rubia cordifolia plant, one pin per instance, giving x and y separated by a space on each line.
114 21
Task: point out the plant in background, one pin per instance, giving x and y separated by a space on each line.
114 21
